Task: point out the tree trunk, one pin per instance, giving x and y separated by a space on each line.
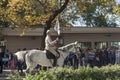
49 21
47 27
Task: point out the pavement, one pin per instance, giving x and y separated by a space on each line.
5 75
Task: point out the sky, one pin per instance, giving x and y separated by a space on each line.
118 1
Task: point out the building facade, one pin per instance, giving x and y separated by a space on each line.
87 37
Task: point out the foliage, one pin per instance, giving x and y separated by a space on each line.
82 73
96 14
3 23
116 9
30 13
24 13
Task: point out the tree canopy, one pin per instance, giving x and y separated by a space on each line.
29 13
98 15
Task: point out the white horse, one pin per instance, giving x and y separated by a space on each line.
34 57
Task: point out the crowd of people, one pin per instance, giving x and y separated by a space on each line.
94 57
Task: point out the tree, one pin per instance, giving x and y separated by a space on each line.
31 13
95 16
51 18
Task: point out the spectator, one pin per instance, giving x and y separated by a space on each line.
109 57
1 61
113 56
12 63
102 60
97 57
6 59
24 49
106 55
82 58
91 57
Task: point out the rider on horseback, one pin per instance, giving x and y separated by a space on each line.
51 46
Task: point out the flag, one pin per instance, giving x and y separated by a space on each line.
57 27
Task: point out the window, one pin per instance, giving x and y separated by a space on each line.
115 44
100 45
85 44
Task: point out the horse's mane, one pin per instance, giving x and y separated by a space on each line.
67 47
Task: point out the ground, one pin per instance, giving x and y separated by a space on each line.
6 74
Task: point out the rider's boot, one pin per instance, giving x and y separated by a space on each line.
54 62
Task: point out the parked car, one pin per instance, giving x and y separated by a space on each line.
118 57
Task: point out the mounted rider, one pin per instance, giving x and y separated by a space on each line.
51 46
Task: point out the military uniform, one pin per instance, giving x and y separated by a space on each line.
50 45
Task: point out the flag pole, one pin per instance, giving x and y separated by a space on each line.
57 26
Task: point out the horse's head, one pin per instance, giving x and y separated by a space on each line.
76 42
72 47
65 50
75 47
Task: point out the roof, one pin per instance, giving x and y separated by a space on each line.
39 31
92 30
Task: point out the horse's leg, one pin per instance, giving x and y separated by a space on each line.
28 63
75 64
21 67
27 69
65 63
30 67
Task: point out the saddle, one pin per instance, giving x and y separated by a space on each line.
51 55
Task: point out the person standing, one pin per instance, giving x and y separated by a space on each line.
91 57
12 63
1 62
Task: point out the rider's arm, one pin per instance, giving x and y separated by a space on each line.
51 43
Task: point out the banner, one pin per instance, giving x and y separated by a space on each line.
57 27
